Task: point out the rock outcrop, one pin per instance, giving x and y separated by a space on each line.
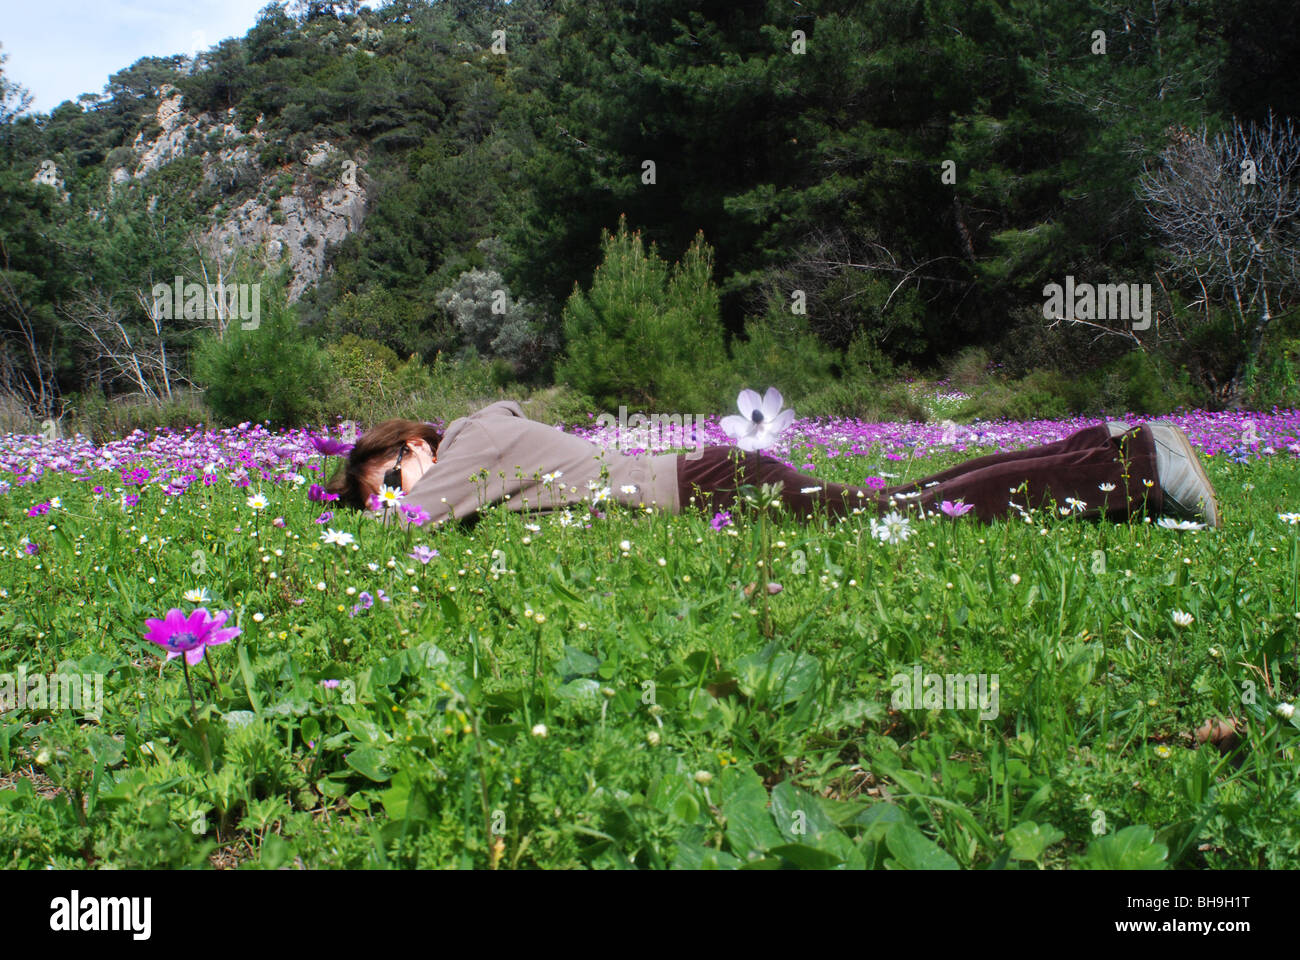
299 225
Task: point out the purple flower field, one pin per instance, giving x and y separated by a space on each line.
251 453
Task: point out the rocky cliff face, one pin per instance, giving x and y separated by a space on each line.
299 225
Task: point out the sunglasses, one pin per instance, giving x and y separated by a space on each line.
393 477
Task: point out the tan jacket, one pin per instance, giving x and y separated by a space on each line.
501 440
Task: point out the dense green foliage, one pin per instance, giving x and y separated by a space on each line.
645 335
899 175
276 375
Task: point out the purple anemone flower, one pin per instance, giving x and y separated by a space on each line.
190 635
319 494
423 554
329 447
413 514
956 509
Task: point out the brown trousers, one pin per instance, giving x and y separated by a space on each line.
1045 476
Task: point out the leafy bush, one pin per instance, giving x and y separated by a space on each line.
479 305
120 157
403 324
1038 396
1135 382
561 405
863 358
969 368
866 400
645 335
274 372
780 350
1275 380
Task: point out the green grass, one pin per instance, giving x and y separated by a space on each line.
677 732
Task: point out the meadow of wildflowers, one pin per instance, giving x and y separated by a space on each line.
287 683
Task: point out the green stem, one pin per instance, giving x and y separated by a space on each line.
194 716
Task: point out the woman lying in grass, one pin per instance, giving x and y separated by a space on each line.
496 454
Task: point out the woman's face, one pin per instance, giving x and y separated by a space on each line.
416 459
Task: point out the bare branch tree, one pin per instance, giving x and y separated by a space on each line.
827 256
1229 210
129 356
34 378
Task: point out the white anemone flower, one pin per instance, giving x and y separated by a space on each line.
893 529
760 422
1169 523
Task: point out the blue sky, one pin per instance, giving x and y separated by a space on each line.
59 49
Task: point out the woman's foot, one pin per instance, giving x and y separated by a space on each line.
1188 493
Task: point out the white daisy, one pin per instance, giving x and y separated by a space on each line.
258 501
628 488
893 529
1105 487
1182 619
342 538
1169 523
1291 518
389 496
196 596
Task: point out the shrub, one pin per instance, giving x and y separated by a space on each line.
275 372
400 322
559 405
1275 379
479 304
120 157
969 368
863 358
644 335
869 401
1039 396
781 351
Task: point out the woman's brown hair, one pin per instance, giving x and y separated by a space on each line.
352 481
